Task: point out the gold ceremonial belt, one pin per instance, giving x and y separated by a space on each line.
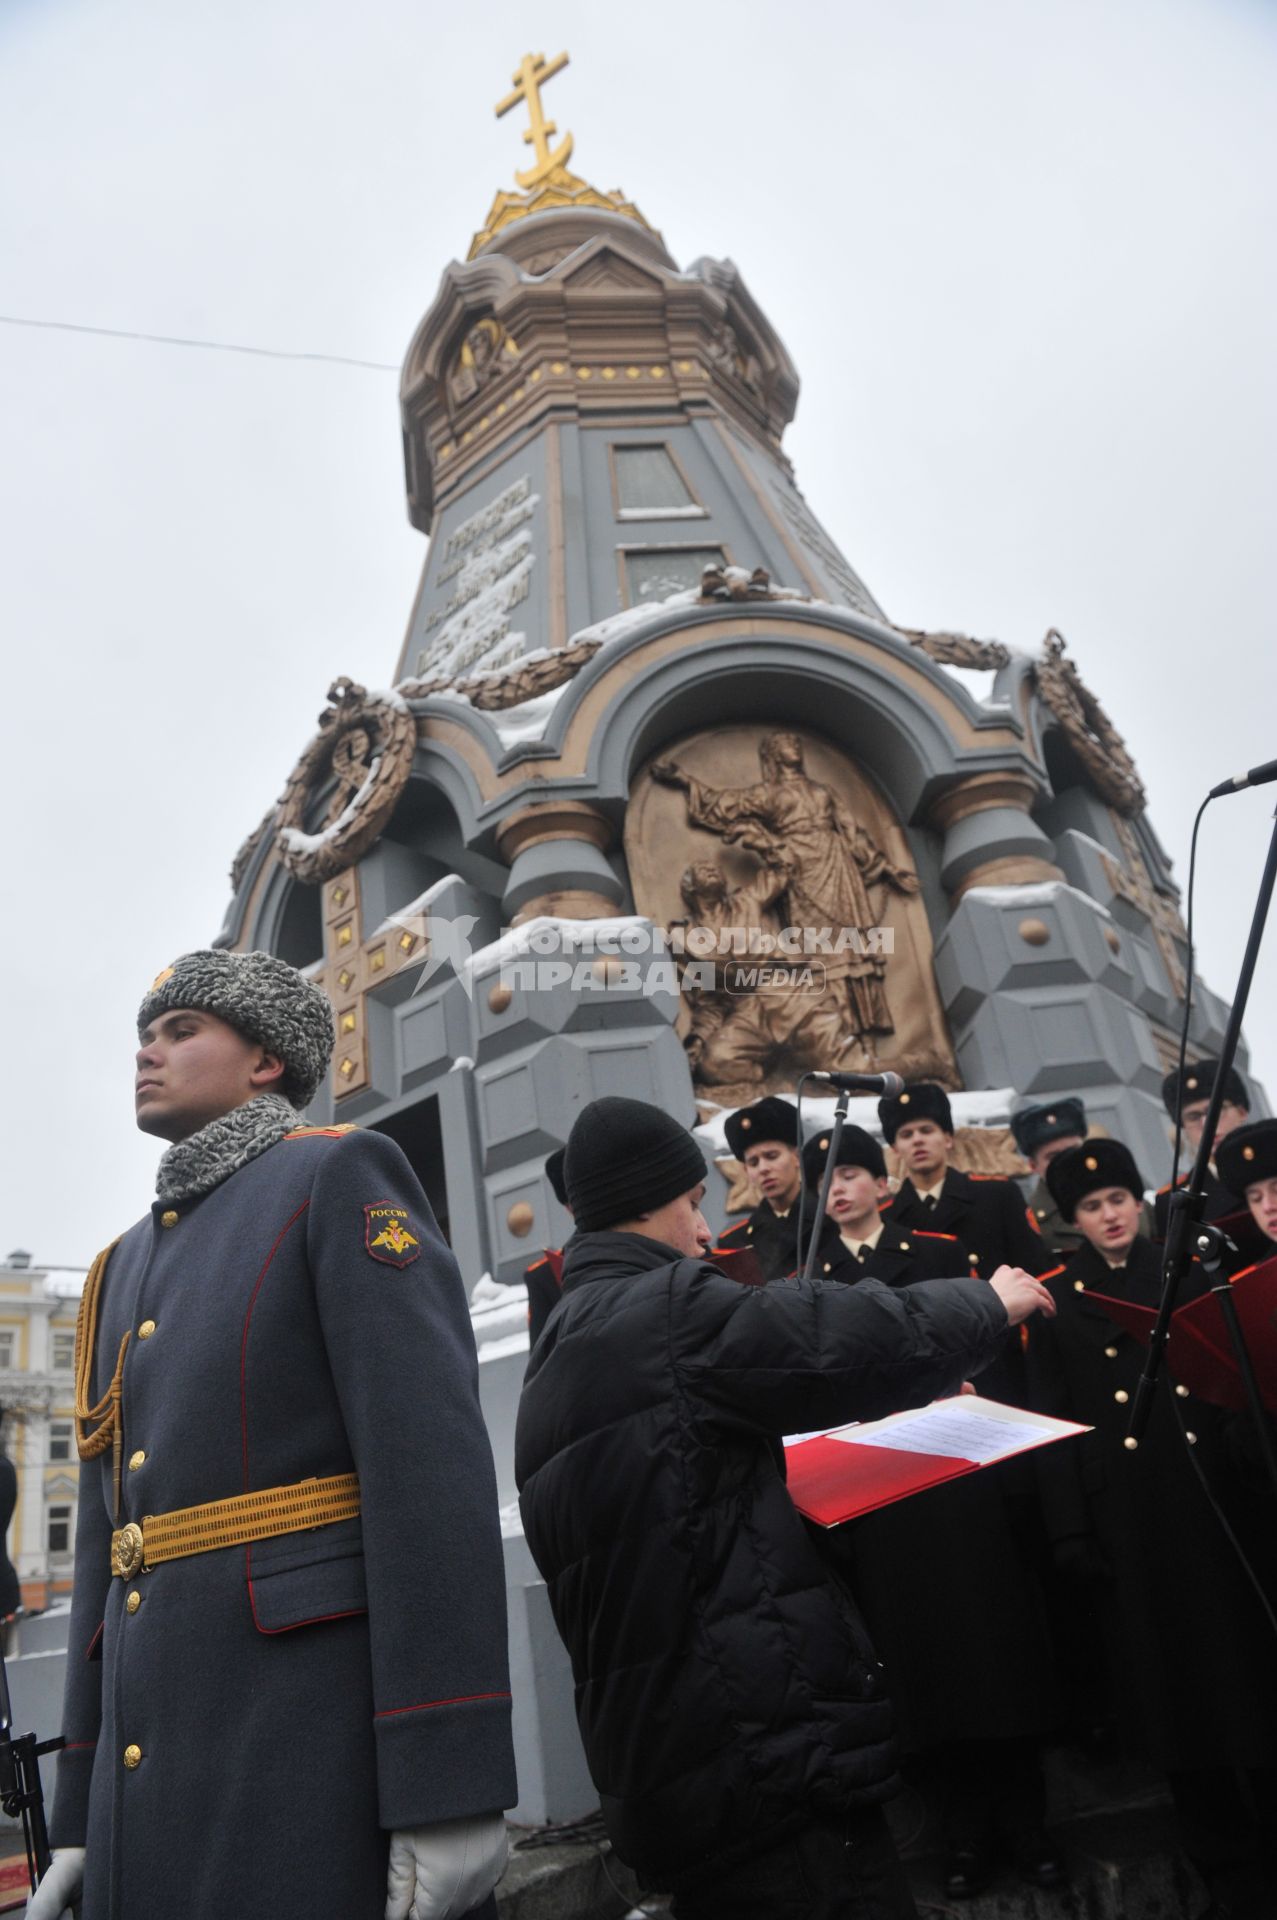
233 1523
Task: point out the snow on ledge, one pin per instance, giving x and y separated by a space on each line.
1039 893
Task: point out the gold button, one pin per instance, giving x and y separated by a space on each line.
134 1601
1191 1439
1110 1353
973 1259
827 1265
1182 1391
146 1329
136 1460
1079 1286
132 1757
1121 1396
169 1218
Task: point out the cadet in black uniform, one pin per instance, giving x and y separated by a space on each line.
987 1214
1190 1656
1043 1133
948 1569
1190 1098
764 1138
856 1238
1247 1163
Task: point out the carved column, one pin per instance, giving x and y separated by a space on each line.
557 853
989 838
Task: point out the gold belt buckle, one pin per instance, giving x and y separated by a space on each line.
126 1550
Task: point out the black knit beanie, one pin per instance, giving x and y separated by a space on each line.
624 1158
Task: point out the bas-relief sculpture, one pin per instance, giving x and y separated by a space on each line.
745 828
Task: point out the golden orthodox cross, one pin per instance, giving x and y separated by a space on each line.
532 75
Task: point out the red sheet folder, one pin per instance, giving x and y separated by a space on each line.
1199 1352
739 1264
832 1479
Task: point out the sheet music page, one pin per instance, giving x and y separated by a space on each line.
954 1431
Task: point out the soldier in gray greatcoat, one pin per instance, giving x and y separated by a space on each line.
286 1683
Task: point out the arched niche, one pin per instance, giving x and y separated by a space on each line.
778 855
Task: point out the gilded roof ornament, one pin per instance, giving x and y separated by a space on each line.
532 75
547 185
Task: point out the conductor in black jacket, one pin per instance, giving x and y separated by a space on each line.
730 1703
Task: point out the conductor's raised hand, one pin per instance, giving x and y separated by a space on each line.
1021 1294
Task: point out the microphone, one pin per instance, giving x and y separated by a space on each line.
1257 777
888 1085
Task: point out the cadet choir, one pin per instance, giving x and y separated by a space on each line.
1089 1590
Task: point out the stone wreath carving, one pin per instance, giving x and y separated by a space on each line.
240 864
734 583
957 649
365 745
494 692
1090 732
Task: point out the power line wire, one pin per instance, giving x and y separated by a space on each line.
210 346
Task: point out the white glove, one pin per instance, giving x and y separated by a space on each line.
60 1888
442 1871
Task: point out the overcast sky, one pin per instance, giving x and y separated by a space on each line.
1022 255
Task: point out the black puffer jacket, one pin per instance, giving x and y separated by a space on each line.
725 1687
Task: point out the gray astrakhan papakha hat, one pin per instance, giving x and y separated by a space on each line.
261 997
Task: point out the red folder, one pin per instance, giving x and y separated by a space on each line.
1199 1352
1242 1228
739 1264
554 1260
832 1480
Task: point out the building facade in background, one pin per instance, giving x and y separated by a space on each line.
37 1391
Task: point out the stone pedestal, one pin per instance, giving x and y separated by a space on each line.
990 839
557 854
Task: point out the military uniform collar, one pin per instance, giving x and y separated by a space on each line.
868 1244
194 1166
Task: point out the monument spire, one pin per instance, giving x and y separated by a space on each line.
532 75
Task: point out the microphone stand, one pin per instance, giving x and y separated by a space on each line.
21 1789
831 1161
1187 1234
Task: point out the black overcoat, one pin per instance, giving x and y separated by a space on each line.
989 1217
725 1686
958 1567
1191 1660
284 1704
1217 1201
770 1236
